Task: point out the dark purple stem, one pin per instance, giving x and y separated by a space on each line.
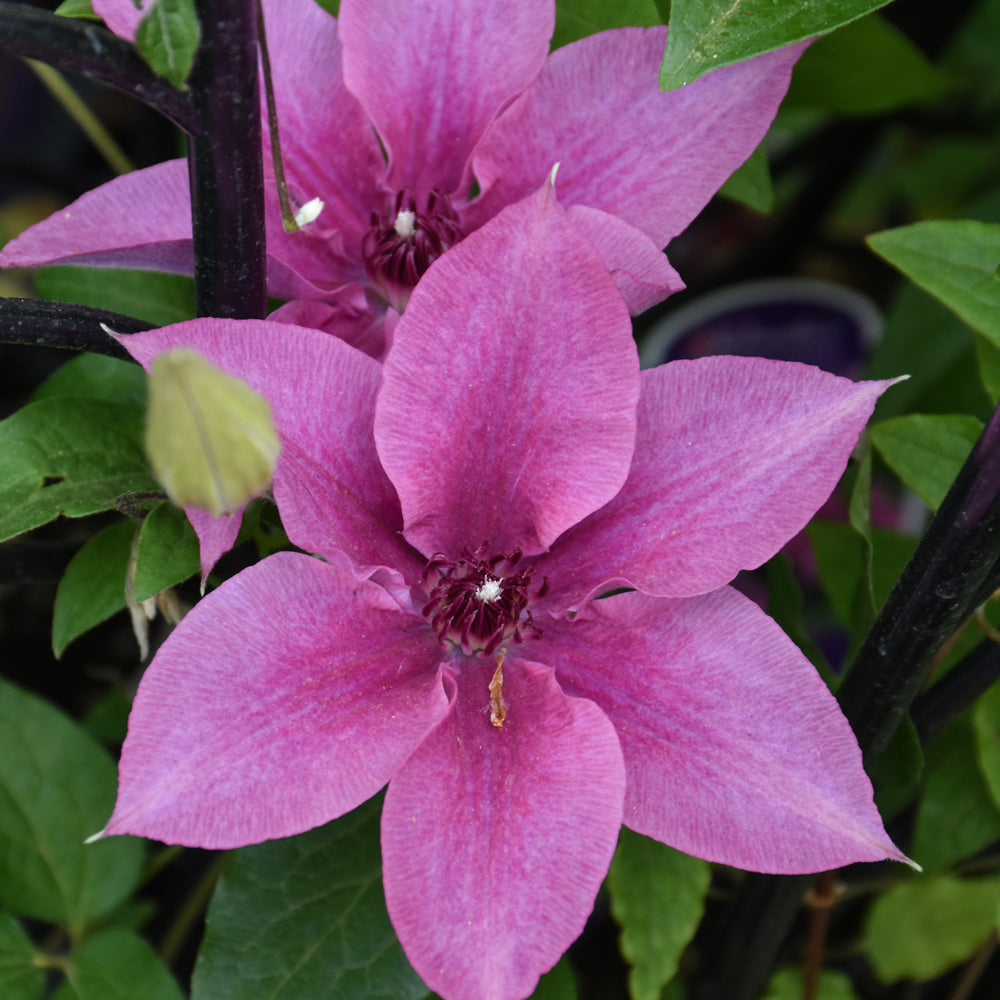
57 324
227 174
83 47
954 568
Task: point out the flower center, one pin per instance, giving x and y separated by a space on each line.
405 239
479 603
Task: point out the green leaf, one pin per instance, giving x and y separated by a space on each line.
860 519
897 771
20 977
920 929
927 450
786 984
986 725
657 898
117 964
167 38
751 183
707 34
57 787
305 917
988 358
77 8
93 587
957 816
929 343
840 557
167 553
95 376
160 299
68 456
579 18
557 984
785 604
956 261
867 67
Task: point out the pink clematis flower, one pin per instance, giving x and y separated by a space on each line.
398 113
448 639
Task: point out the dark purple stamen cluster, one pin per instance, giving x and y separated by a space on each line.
480 603
395 256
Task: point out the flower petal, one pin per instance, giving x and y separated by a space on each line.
284 699
639 267
141 219
529 426
433 75
733 456
345 313
328 147
735 749
495 840
333 496
122 16
653 159
216 535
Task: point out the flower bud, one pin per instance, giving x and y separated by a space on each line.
209 436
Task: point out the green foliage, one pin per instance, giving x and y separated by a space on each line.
957 816
167 38
579 18
920 929
68 456
117 964
867 67
558 984
751 184
927 450
657 898
786 984
707 34
160 299
93 587
306 914
956 261
897 771
77 8
986 725
57 787
95 376
20 977
167 553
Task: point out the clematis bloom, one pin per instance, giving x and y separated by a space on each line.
414 124
451 639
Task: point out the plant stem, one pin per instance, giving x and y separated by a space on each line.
91 49
89 123
58 324
227 174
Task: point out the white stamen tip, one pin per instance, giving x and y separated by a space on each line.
489 590
405 224
309 212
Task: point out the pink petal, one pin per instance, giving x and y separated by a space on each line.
638 265
653 159
733 457
496 840
122 16
284 699
345 313
735 749
528 427
333 496
216 536
142 219
329 148
433 75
